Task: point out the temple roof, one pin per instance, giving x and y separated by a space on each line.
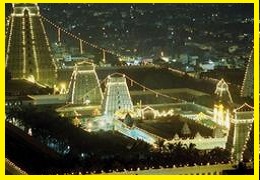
24 5
244 108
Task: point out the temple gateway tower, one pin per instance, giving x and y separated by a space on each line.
28 53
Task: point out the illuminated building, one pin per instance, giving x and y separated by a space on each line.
185 129
84 87
240 126
221 116
28 53
248 83
222 91
117 96
221 112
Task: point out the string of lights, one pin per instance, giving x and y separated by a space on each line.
246 79
146 88
10 163
10 23
244 105
59 28
132 81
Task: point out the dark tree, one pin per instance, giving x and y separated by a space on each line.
8 75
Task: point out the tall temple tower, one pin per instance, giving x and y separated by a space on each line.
248 83
241 124
117 97
84 87
28 53
223 104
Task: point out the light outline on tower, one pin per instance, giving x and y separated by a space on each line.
244 92
221 114
235 125
72 85
34 51
116 81
221 88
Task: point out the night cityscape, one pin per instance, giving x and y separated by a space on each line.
140 89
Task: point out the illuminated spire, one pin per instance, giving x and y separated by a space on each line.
19 8
221 114
84 87
241 124
247 89
117 96
222 91
28 53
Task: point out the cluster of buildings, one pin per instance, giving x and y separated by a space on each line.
32 60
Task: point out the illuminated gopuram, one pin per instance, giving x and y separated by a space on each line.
241 125
84 87
28 53
223 104
247 89
117 97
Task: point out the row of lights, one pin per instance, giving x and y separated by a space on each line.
73 79
81 40
195 140
24 49
146 88
245 77
47 42
245 104
9 40
245 142
31 31
34 49
204 124
15 167
153 167
132 80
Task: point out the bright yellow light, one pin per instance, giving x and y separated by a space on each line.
62 88
221 115
31 78
62 85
